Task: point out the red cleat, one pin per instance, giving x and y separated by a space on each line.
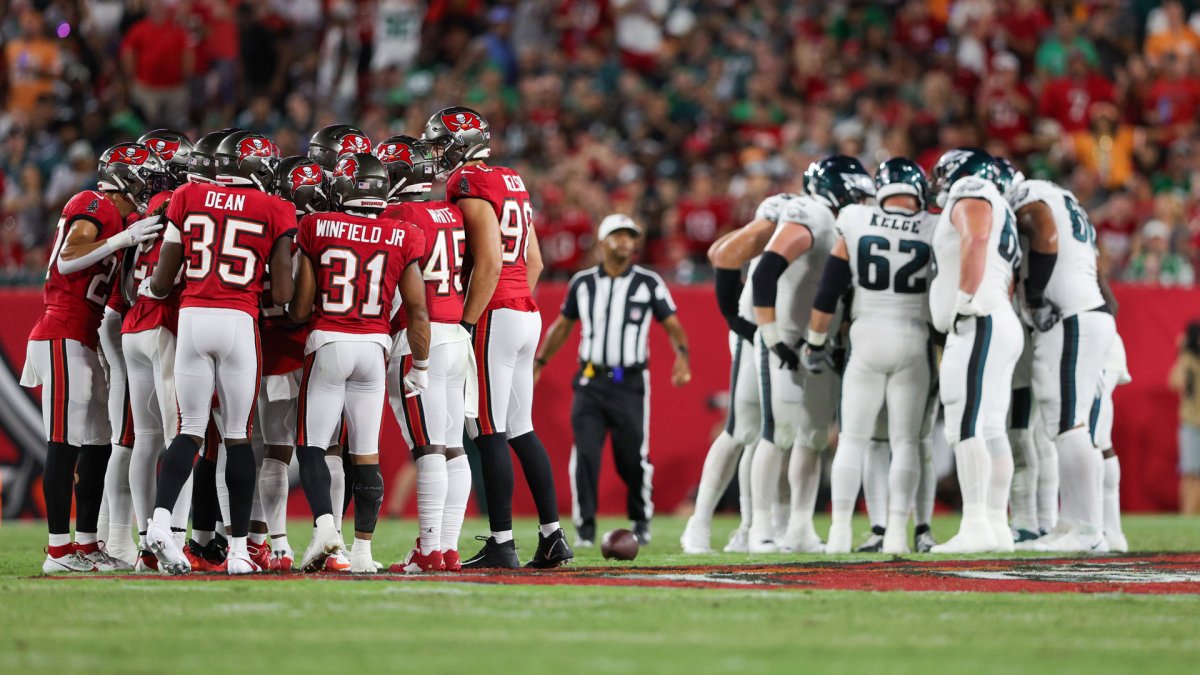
416 562
260 554
281 561
338 563
451 560
146 562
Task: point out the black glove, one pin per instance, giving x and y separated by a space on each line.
786 354
742 327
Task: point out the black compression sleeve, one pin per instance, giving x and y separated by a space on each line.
766 277
1041 266
729 289
835 279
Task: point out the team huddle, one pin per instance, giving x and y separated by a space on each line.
992 307
213 309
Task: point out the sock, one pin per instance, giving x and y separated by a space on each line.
535 464
337 487
1112 495
974 468
844 476
719 465
1077 468
90 468
87 539
781 509
348 487
279 542
903 476
143 474
361 546
175 470
119 500
1024 480
875 481
238 546
222 489
502 536
458 491
547 529
804 476
240 478
257 538
205 508
764 487
432 484
314 478
102 529
273 491
745 502
183 507
926 486
58 545
496 465
58 477
257 513
1047 483
1000 478
367 489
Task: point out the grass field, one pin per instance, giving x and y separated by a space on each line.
306 625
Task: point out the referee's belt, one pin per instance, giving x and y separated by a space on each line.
589 370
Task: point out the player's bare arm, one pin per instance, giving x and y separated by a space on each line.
835 279
533 260
282 288
681 372
973 220
412 294
170 260
555 336
304 291
483 243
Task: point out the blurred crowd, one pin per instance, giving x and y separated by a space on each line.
681 113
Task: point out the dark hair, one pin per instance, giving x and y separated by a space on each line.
1191 338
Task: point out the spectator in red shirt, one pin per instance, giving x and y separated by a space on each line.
1068 99
1172 101
1005 104
157 58
565 234
1023 25
701 215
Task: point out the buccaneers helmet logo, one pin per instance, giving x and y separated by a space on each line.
305 174
355 143
130 155
164 148
255 147
347 167
393 152
461 121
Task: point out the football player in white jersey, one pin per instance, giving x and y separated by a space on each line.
976 253
798 406
1073 332
883 252
737 440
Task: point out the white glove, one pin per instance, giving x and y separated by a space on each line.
145 290
417 379
137 232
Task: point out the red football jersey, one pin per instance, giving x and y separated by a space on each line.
227 234
505 191
148 313
75 302
441 262
358 262
282 341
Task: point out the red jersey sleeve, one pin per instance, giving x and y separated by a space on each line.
304 234
284 221
470 181
414 243
176 208
96 209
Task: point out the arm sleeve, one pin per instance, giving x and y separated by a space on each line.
835 279
729 291
1041 266
766 277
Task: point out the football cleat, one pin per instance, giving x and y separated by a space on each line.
161 541
696 538
1046 541
1002 533
841 538
337 563
972 537
923 539
241 563
260 554
739 541
146 562
451 561
98 555
585 535
326 542
281 561
1072 541
417 563
1117 542
65 559
494 555
553 551
801 540
762 545
874 543
1022 535
641 530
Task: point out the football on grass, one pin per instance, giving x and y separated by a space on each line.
619 545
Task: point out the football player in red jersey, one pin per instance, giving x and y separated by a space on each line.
353 265
500 310
300 181
61 354
222 236
432 422
329 143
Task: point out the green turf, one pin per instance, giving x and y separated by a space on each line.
313 625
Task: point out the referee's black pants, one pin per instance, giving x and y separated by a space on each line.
603 405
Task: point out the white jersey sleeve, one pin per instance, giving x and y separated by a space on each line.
771 207
798 284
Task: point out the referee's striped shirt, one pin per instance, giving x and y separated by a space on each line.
615 313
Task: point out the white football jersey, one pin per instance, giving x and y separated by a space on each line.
889 254
1003 255
798 284
769 209
1073 286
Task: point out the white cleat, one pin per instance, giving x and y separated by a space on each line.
762 543
106 562
696 538
801 540
895 540
362 563
971 538
240 563
1003 536
1073 542
64 564
326 542
1117 542
840 538
739 541
161 542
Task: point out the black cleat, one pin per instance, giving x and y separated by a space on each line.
641 530
494 555
552 551
585 534
923 539
214 553
874 543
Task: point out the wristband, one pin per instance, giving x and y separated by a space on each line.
815 339
770 334
420 364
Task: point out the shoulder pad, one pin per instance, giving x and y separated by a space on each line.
974 187
805 210
770 207
1030 191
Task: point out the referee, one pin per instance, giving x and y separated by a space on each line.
614 301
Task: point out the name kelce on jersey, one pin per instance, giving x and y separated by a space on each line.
364 234
902 223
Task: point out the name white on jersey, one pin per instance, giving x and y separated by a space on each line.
1073 286
1003 255
890 252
